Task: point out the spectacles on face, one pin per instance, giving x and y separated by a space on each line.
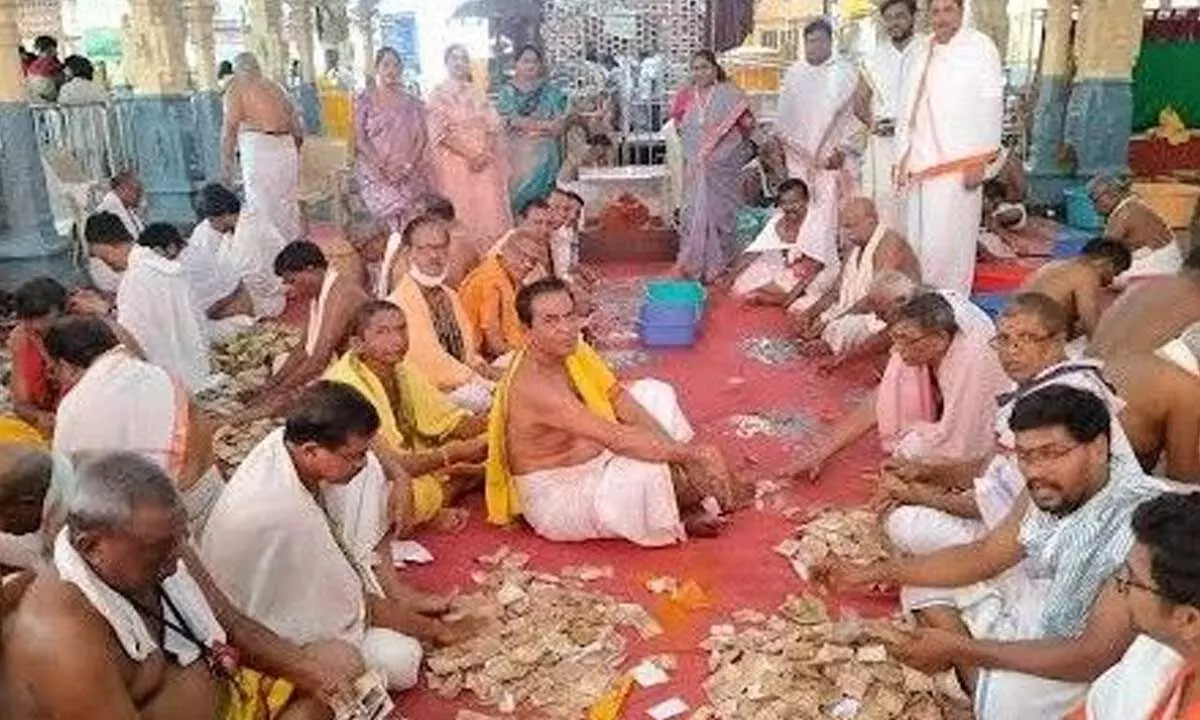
1125 581
1018 341
1045 453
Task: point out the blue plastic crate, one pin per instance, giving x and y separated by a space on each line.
991 303
1081 213
676 291
668 324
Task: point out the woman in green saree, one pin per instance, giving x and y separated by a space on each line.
534 112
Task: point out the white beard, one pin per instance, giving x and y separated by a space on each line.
429 281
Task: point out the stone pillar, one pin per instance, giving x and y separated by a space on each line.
1108 38
26 224
1049 116
366 13
266 37
159 120
990 17
302 30
206 101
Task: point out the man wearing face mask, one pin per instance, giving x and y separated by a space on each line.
887 75
442 343
155 303
1024 643
948 131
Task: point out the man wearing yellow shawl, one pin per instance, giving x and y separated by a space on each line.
422 434
442 343
489 295
580 457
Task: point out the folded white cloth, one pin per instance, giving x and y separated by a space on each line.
475 396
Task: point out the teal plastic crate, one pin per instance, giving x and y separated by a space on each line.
680 292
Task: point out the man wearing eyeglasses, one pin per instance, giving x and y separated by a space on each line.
1160 586
1024 643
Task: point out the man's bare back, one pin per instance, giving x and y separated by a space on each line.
533 443
61 659
1068 282
1148 315
1137 226
259 104
1162 412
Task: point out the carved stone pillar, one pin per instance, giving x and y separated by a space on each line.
365 16
160 120
1050 112
302 31
207 99
26 225
991 18
1108 38
266 36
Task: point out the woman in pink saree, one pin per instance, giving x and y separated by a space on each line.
714 130
390 144
467 153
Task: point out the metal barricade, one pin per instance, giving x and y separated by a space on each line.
91 133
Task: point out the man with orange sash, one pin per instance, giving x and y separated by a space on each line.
489 295
581 457
815 126
949 130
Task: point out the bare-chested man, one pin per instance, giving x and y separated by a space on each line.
1153 313
1134 224
840 320
263 124
1080 284
580 456
1161 415
126 623
333 302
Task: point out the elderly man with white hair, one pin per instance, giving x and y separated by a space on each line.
263 125
1134 224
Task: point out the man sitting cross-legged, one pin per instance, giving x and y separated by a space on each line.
1024 639
126 623
301 539
1160 585
444 346
422 435
936 393
581 457
1080 285
843 319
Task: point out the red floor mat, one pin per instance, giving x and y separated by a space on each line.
715 379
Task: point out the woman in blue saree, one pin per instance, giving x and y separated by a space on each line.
715 135
534 112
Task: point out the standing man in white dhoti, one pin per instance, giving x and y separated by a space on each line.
815 126
949 130
888 73
263 125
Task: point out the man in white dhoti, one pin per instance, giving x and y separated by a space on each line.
944 504
581 457
310 502
108 246
815 126
217 286
793 261
154 302
1024 643
118 402
88 639
1134 224
949 130
888 74
1156 679
264 126
125 201
843 319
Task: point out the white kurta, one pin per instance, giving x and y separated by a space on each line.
888 71
110 203
251 256
953 113
271 175
154 302
272 548
776 256
210 278
815 120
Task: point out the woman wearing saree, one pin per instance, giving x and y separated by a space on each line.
390 144
714 130
534 111
467 153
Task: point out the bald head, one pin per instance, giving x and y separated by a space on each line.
24 481
858 219
246 63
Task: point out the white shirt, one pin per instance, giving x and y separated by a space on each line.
129 218
889 68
